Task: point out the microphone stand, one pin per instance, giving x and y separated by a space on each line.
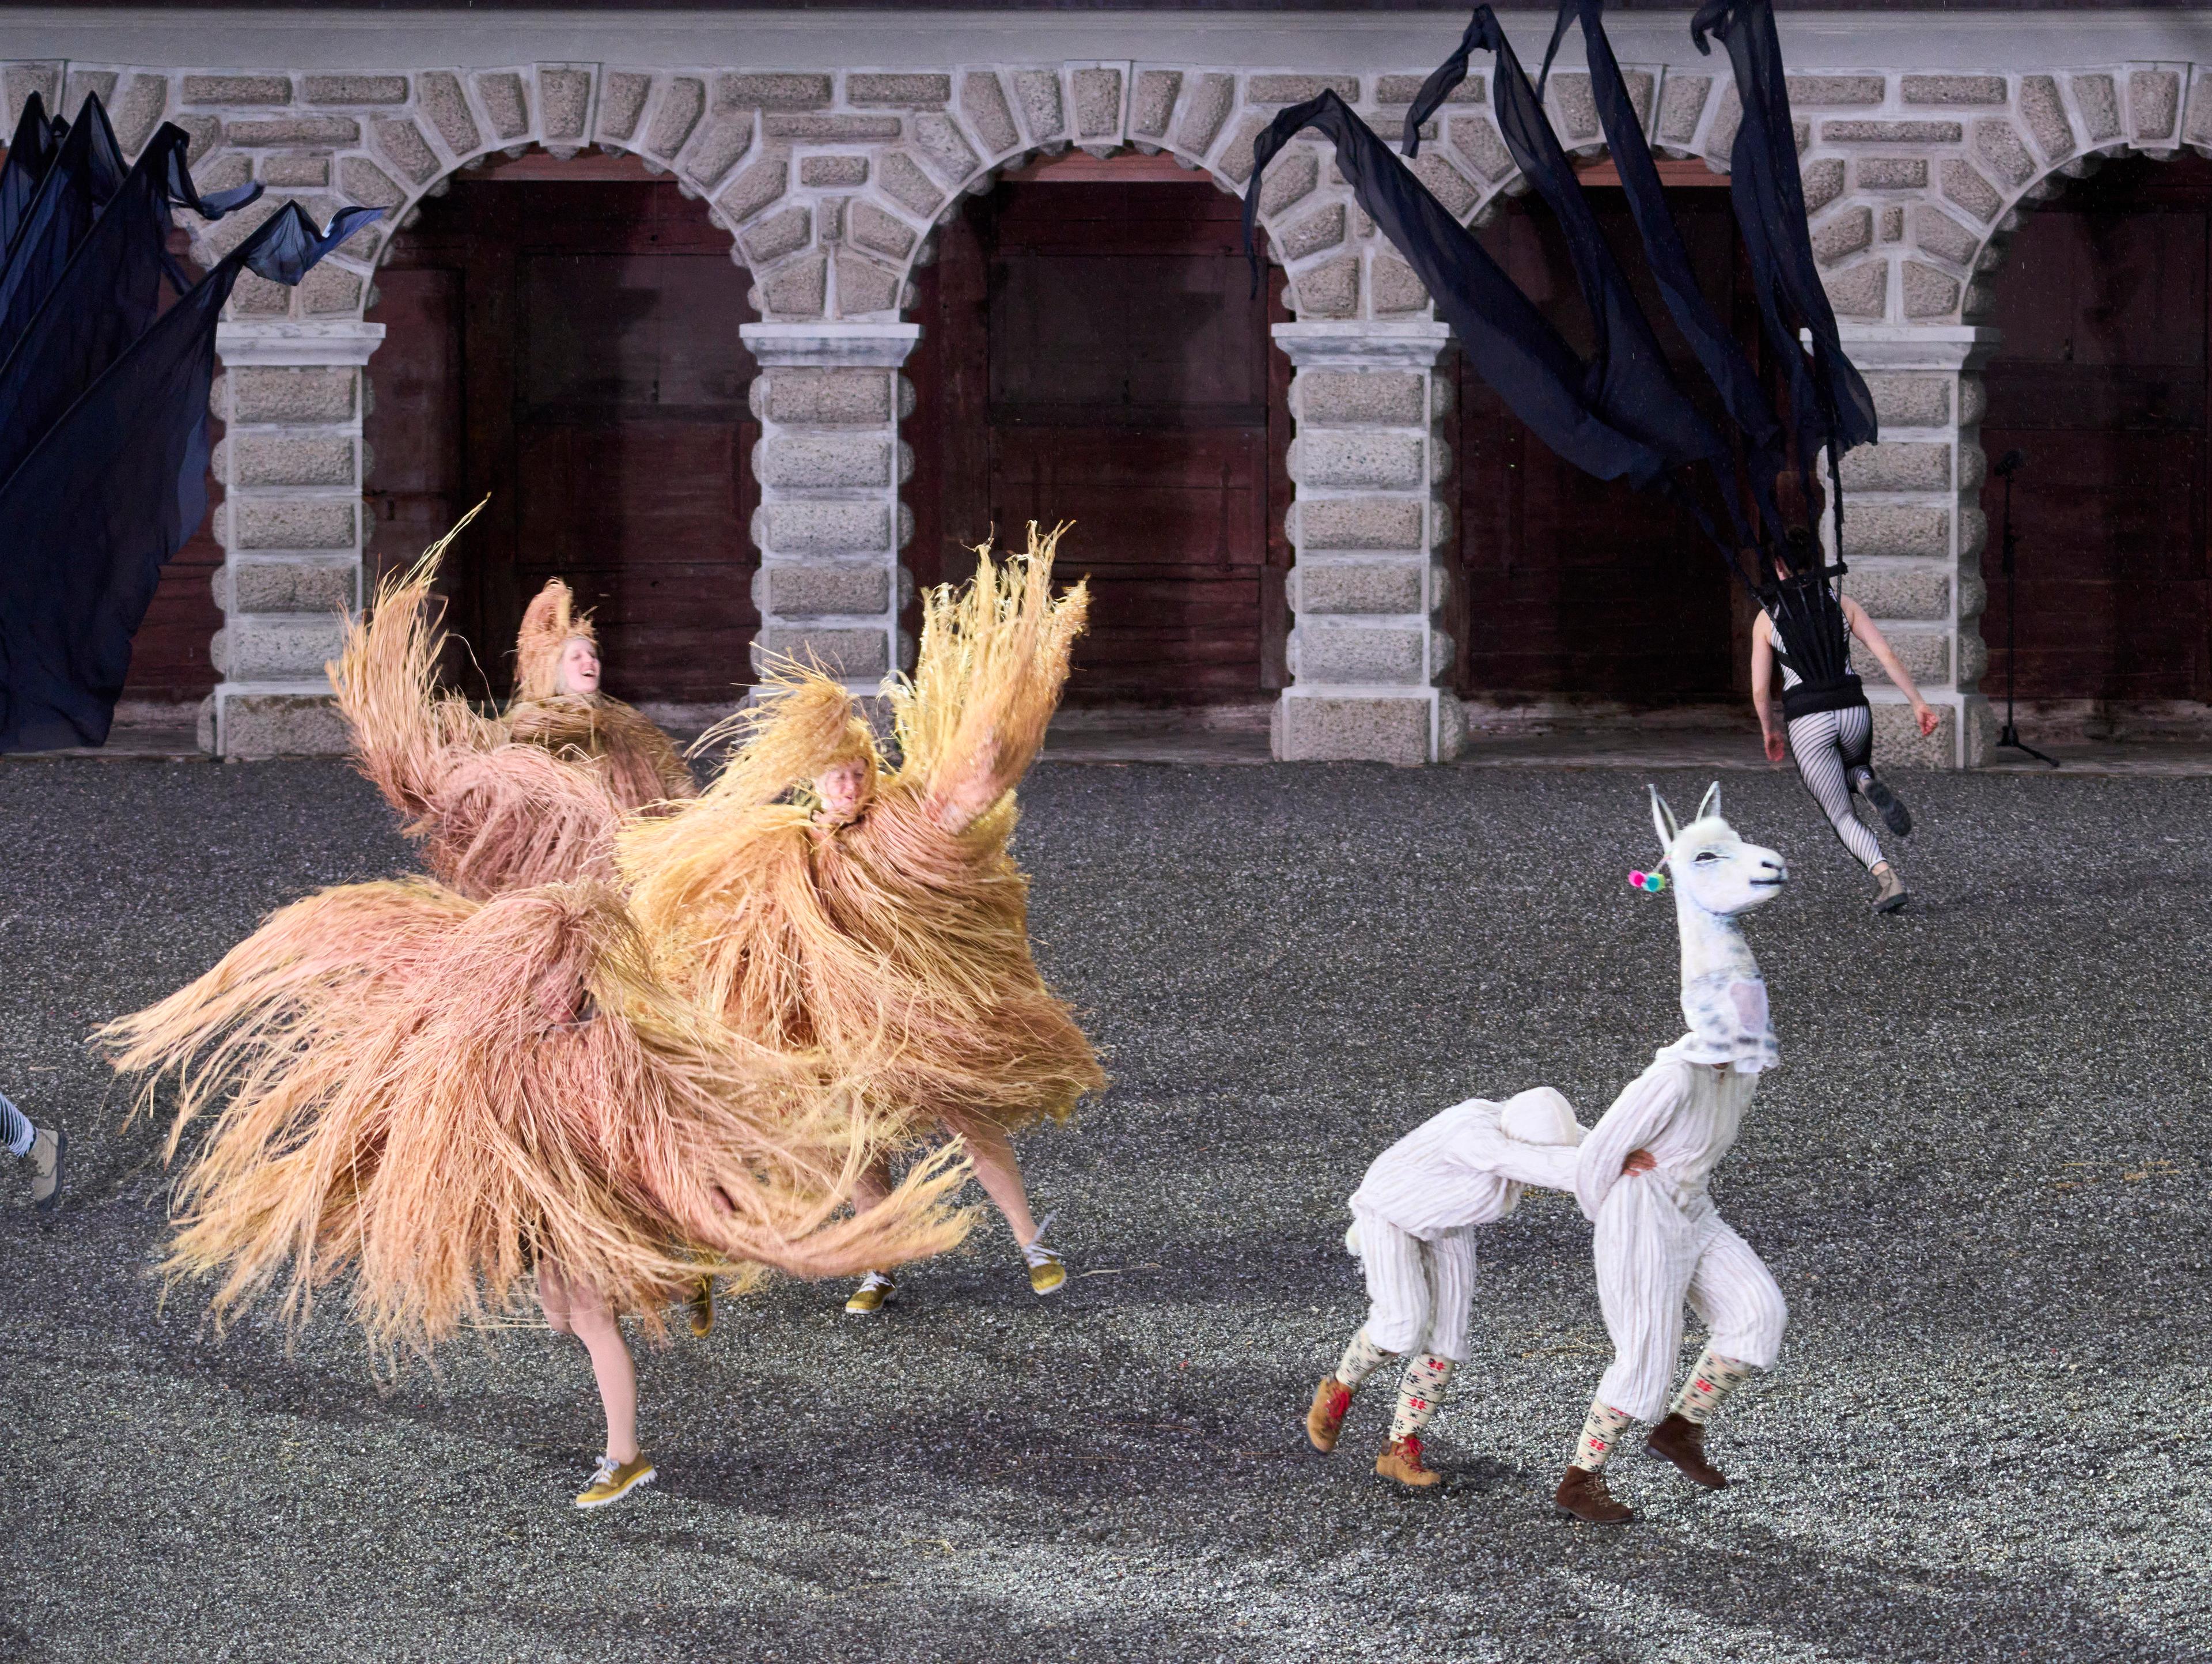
2008 736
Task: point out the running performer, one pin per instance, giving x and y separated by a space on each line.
1828 725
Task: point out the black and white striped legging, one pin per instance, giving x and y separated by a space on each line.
16 1131
1830 748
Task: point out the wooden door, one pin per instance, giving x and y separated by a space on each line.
1093 352
1571 587
572 349
2101 383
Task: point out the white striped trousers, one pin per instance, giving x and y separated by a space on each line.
1652 1256
1417 1288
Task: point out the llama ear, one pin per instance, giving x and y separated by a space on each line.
1663 819
1711 803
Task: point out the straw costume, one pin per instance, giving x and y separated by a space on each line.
436 1097
892 918
639 764
491 813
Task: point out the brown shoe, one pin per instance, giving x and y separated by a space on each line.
1582 1494
1326 1419
1682 1442
1402 1462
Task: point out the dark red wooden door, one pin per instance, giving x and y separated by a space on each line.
2101 383
1572 588
1093 352
572 349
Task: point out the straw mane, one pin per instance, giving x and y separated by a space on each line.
425 1095
906 929
550 623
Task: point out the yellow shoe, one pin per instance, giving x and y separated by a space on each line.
1047 1270
875 1288
612 1481
701 1307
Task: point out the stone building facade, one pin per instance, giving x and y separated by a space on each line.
831 147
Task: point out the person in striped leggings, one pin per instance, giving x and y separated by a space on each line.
1413 1220
45 1146
1830 731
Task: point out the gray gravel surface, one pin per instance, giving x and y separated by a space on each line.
1977 1174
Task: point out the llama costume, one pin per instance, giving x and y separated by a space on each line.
1659 1241
1414 1217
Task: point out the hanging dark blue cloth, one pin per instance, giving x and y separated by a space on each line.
1512 346
110 491
1669 260
107 295
1832 407
1628 379
29 153
76 184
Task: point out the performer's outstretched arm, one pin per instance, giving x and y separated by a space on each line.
1762 686
1878 644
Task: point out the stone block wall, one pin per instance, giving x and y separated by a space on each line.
1913 535
1368 526
830 399
291 396
832 179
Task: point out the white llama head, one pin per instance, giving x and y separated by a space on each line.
1719 878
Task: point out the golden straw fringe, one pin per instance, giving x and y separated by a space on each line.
425 1096
904 933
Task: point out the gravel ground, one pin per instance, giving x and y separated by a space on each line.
1976 1176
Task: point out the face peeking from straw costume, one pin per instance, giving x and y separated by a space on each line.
1719 878
556 652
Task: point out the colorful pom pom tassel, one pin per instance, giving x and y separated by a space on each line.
1649 883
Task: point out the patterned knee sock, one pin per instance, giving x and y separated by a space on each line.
1420 1390
1360 1360
1601 1428
1712 1378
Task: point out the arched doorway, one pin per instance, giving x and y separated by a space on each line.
1092 351
1575 596
564 335
2101 384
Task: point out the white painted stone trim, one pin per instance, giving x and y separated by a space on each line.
857 346
293 343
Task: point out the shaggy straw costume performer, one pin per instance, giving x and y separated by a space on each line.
1414 1222
558 705
878 908
1659 1241
488 815
437 1098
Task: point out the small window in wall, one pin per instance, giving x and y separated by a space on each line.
1092 352
569 344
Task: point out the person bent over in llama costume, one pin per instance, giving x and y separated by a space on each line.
1413 1220
1659 1241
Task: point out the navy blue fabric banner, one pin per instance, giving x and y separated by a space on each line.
103 416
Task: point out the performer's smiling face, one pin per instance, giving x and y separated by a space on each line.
842 787
580 666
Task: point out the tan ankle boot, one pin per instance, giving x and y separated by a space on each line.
1682 1442
1891 895
1402 1462
1325 1421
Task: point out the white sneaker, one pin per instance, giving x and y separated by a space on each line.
1047 1270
